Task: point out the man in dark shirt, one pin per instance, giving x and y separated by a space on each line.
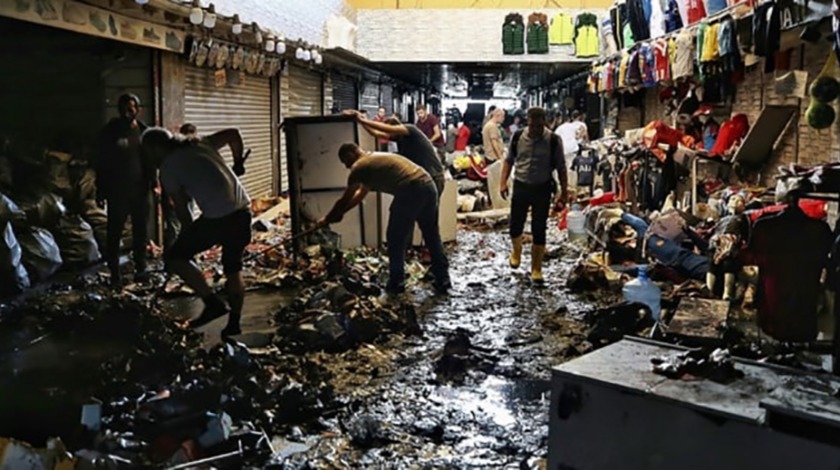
411 144
430 126
535 153
125 180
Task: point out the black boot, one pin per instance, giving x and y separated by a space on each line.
214 308
232 328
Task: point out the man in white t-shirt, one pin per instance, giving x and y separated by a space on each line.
194 169
568 133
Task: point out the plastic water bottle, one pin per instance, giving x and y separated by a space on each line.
643 291
576 222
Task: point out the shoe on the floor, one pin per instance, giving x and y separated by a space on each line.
213 308
231 330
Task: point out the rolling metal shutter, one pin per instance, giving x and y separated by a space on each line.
370 98
386 94
246 106
345 94
304 92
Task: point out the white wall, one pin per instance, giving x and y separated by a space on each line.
461 104
448 35
295 19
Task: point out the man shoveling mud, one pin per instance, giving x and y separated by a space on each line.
415 200
536 153
194 169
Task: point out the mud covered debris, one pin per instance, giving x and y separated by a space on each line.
698 364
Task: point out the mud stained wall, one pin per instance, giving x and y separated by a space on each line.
800 143
442 35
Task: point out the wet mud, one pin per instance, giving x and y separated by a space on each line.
333 375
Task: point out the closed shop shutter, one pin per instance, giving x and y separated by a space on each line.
304 92
285 111
386 94
370 98
246 106
345 95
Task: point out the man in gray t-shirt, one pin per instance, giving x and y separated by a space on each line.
193 169
411 142
535 154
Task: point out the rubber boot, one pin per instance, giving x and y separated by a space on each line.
516 254
537 255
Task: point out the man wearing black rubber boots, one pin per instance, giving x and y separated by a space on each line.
125 180
193 169
535 153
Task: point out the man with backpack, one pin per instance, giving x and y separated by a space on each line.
535 153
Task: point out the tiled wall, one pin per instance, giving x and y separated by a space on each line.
447 35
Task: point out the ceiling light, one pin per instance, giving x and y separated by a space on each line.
210 17
319 59
299 53
280 47
196 14
237 26
141 2
306 56
269 44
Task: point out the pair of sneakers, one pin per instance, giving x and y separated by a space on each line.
214 308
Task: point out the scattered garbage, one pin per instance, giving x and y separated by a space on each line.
41 255
698 364
76 240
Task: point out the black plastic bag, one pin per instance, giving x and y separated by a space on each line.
13 277
76 240
45 211
41 255
98 220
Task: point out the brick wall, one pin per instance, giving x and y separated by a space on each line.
447 35
295 19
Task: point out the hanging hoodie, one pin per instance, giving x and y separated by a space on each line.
673 18
657 19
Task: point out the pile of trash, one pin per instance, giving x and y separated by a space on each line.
48 215
698 364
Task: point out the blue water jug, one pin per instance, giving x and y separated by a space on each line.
643 291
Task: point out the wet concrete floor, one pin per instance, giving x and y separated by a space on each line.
401 409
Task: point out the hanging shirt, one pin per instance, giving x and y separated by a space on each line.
710 43
727 42
673 18
647 64
622 72
562 29
627 34
584 165
608 37
683 65
657 19
696 11
662 60
714 6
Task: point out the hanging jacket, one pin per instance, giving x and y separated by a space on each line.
638 22
537 39
766 33
562 30
673 19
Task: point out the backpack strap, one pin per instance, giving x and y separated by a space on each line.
514 143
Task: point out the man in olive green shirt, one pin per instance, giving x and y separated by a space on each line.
415 201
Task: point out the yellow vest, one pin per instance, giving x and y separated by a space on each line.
562 30
586 43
